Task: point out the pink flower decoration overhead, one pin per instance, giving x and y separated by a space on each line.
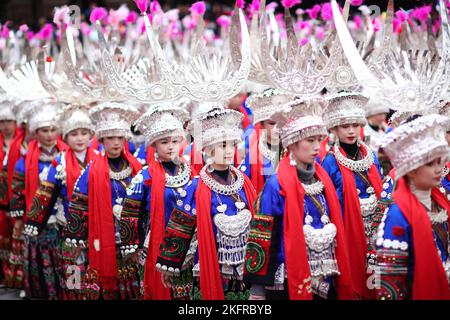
326 13
422 13
358 22
198 8
402 15
356 3
240 4
24 28
142 5
131 18
376 24
61 16
155 7
320 33
30 35
290 3
46 32
98 14
271 7
5 31
255 6
313 12
188 23
224 21
304 41
85 29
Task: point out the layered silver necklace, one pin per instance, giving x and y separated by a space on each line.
265 151
220 188
121 175
181 178
354 165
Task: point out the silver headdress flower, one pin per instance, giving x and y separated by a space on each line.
74 117
345 108
416 143
113 119
162 121
216 126
300 119
265 104
6 109
42 114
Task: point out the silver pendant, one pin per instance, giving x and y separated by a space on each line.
222 208
370 190
179 203
117 211
240 205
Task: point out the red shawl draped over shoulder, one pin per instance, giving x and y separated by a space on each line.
14 156
429 280
210 278
102 243
297 265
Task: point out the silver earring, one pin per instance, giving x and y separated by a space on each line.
292 161
331 139
209 163
156 156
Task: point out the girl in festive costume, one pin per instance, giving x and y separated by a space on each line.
355 173
413 236
93 222
212 225
297 247
152 197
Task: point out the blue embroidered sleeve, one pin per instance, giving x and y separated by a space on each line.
331 167
18 205
394 256
141 154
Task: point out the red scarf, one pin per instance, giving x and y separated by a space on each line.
94 143
150 157
196 161
2 152
101 221
32 169
323 149
14 156
354 226
430 281
210 278
294 239
256 161
153 287
73 170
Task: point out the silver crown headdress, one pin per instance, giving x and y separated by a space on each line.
300 119
206 76
113 119
413 80
6 109
265 104
216 126
416 143
42 114
299 70
162 121
345 108
74 117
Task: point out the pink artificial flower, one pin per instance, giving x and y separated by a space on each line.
326 13
131 18
402 15
142 5
224 21
173 15
356 3
290 3
5 30
271 7
376 24
198 8
98 14
46 32
313 12
85 29
255 6
358 22
155 7
188 23
320 32
304 41
24 28
61 16
30 35
422 13
240 4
